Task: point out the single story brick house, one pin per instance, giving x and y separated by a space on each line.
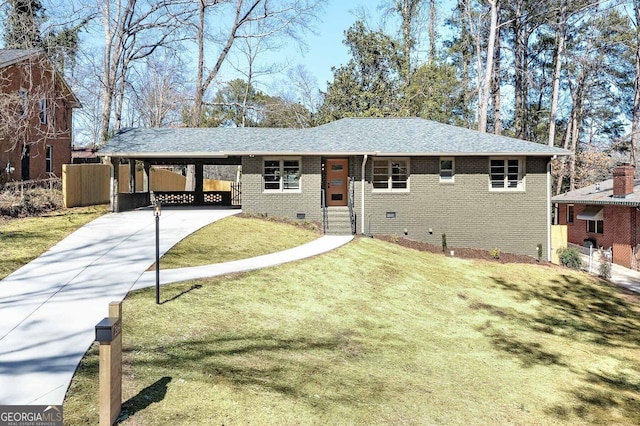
394 176
605 215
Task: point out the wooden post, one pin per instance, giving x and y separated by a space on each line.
110 400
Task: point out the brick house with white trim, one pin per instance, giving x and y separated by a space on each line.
605 215
36 116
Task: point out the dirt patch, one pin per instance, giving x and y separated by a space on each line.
464 253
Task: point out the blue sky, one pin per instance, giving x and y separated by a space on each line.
326 49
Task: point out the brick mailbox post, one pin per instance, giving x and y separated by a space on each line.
109 335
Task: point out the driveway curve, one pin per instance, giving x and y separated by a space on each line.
49 307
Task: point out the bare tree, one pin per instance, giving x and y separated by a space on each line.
635 126
160 90
484 78
133 30
266 18
561 35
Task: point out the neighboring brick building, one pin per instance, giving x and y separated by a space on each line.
36 107
605 215
408 177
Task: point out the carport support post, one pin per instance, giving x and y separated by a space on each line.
199 189
109 334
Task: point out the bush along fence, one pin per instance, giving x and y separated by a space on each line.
30 197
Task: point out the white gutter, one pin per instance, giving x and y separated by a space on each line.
549 248
364 163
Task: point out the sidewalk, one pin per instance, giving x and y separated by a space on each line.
621 276
49 308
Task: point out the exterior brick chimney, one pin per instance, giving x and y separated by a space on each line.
623 180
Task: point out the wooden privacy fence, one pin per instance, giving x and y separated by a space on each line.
166 180
85 184
88 184
558 241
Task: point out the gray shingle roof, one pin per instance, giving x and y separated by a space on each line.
348 136
600 193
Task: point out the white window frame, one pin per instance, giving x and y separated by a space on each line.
444 178
390 182
571 213
23 94
507 179
48 158
42 104
280 174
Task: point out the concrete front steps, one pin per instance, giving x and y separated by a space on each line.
338 221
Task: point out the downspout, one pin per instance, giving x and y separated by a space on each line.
549 210
364 163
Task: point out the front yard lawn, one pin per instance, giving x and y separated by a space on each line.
24 239
374 333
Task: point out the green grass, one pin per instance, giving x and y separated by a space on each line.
374 333
25 239
234 238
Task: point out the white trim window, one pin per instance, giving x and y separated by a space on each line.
391 174
570 213
281 174
23 94
595 226
447 169
43 111
506 174
48 158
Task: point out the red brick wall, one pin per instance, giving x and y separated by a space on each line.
41 83
619 232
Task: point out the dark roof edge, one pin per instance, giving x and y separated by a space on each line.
222 154
612 202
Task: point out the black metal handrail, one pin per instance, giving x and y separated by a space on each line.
323 203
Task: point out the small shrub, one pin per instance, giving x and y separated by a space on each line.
604 270
570 257
444 242
395 238
494 253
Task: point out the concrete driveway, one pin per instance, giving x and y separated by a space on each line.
49 308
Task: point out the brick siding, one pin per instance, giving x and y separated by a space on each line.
13 78
466 211
620 228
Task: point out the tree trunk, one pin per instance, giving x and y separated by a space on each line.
495 88
483 98
196 114
560 40
432 30
635 127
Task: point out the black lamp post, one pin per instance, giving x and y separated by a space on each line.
156 213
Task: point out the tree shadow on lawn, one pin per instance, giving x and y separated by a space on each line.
274 364
602 395
589 311
574 308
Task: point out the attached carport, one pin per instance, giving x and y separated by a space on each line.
198 196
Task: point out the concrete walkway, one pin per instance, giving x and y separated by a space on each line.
623 277
49 308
